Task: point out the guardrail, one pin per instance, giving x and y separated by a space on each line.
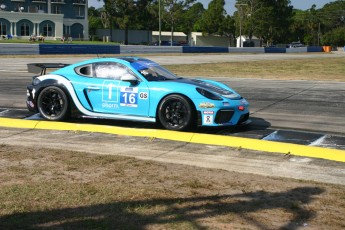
17 49
78 49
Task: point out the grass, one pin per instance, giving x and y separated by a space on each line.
46 188
320 69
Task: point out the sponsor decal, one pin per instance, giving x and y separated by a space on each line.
127 89
110 105
208 112
206 105
208 119
110 92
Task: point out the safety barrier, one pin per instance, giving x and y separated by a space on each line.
204 49
246 50
17 49
315 49
129 49
271 50
78 49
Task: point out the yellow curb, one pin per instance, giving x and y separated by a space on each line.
235 142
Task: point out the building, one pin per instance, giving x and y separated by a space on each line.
178 37
52 19
245 41
198 39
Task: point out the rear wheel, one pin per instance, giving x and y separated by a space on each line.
53 104
176 112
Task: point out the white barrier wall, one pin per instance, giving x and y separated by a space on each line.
14 49
297 50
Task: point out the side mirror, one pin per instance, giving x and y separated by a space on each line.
130 78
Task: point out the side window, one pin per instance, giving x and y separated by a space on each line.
84 70
111 70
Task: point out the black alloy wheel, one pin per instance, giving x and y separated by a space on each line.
176 112
53 104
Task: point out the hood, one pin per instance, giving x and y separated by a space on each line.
210 87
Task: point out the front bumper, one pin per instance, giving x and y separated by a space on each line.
224 113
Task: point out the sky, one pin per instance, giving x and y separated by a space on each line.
230 4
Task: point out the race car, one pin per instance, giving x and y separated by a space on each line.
132 88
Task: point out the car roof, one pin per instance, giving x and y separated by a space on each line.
136 62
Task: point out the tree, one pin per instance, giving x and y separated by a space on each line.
298 26
95 21
229 28
190 17
212 20
173 13
335 37
267 19
126 14
332 18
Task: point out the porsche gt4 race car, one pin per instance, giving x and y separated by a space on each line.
132 88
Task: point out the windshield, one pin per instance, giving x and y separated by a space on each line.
152 71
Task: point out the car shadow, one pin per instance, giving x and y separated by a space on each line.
141 214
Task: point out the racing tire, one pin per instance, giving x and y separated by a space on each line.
53 104
176 112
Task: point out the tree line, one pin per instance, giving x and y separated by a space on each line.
272 21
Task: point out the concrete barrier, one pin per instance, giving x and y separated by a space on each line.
246 50
204 49
78 49
273 50
17 49
297 50
315 49
149 49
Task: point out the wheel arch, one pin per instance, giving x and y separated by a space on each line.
53 82
180 94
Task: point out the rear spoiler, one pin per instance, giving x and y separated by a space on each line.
41 68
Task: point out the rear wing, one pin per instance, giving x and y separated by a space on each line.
41 68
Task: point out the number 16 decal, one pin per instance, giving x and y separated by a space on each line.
129 97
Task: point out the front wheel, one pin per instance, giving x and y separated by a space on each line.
176 112
53 104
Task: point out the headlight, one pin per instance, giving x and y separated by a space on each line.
208 94
35 81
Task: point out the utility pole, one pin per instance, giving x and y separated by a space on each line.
160 23
240 14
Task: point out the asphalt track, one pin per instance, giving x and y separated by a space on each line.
265 112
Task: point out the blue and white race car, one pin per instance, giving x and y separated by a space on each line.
134 89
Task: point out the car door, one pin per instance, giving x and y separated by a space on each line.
109 94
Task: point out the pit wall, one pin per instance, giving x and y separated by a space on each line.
27 49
